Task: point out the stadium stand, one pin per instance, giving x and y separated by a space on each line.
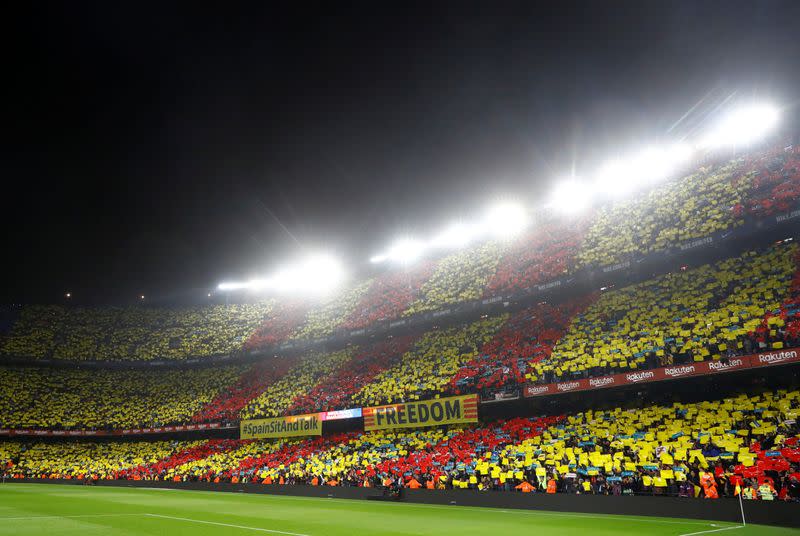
427 367
775 185
459 277
282 321
539 256
257 379
337 389
527 337
389 295
69 398
747 443
737 306
668 215
134 333
717 197
322 320
84 459
279 395
705 313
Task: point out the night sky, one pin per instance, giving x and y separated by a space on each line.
157 147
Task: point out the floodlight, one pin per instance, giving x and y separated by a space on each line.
257 284
570 196
377 259
455 235
504 220
232 286
623 175
406 250
743 126
315 273
615 178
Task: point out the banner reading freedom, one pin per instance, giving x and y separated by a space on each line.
451 410
295 425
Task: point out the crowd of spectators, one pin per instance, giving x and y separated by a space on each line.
775 183
539 256
133 333
714 198
256 379
73 398
321 320
737 306
526 338
782 325
666 216
86 459
746 444
706 313
336 390
459 277
300 379
284 319
389 295
425 370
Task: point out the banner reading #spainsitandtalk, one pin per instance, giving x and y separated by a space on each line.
451 410
292 426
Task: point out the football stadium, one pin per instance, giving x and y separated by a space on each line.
618 355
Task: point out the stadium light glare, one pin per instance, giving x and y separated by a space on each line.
742 126
615 178
505 220
257 285
406 250
228 286
377 259
314 273
570 196
620 176
456 235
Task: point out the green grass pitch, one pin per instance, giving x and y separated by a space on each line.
51 510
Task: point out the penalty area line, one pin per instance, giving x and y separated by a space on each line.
243 527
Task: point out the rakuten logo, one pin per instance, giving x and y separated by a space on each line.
676 372
640 376
777 357
568 386
718 365
538 390
600 382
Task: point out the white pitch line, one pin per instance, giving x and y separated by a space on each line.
714 530
243 527
482 509
62 517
